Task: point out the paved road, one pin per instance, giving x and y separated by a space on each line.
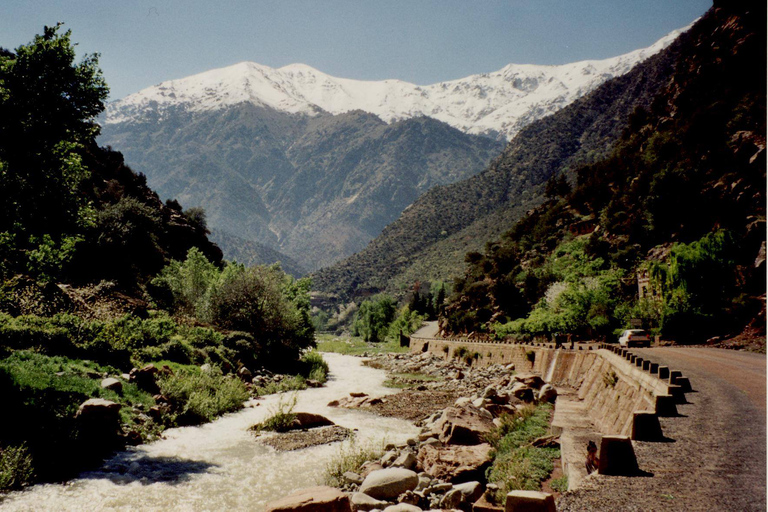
717 461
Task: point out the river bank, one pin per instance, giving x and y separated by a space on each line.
220 465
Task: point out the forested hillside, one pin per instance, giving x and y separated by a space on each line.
118 317
429 240
677 207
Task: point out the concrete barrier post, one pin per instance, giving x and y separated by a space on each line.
646 365
654 368
663 372
677 392
674 375
530 501
666 406
639 362
684 383
632 358
646 426
617 456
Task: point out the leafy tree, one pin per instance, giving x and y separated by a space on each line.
48 106
373 318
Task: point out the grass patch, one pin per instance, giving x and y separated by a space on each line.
355 345
560 484
409 380
292 383
314 366
281 417
349 458
516 464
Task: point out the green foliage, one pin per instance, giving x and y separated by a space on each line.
349 458
48 258
199 396
517 465
16 468
406 322
189 284
315 367
280 417
373 318
560 484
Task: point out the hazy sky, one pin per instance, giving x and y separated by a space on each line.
144 42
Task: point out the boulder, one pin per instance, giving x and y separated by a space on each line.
388 484
351 477
453 499
361 501
144 378
471 490
245 374
369 467
305 420
466 425
405 460
530 380
99 410
314 499
522 392
455 463
113 384
547 393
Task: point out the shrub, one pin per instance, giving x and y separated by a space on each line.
15 468
314 366
349 458
199 396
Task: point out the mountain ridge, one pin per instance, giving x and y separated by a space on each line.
496 104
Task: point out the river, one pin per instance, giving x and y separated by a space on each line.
220 466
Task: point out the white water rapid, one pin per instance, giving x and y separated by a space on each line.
220 466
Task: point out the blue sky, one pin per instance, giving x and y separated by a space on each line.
144 42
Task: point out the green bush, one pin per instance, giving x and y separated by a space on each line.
349 458
373 318
199 396
280 417
314 366
16 469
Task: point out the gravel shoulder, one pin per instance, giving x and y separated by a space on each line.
716 459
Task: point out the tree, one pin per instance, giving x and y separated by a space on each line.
48 106
373 318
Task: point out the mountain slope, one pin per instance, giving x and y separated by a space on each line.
493 104
315 188
448 221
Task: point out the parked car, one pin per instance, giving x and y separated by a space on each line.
635 338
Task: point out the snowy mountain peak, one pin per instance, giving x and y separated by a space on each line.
500 103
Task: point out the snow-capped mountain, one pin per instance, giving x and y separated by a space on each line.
495 104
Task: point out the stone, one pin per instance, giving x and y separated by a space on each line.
483 505
388 458
387 484
358 395
402 507
245 374
112 384
306 420
547 393
409 497
98 409
314 499
522 392
351 477
466 425
617 456
206 368
369 467
144 378
405 460
529 501
489 392
452 499
455 463
479 403
424 482
361 501
314 383
530 380
470 490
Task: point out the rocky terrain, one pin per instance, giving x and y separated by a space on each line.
445 466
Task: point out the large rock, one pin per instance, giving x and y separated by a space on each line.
523 392
472 491
547 393
455 463
529 501
98 410
402 507
144 378
387 484
530 380
466 425
113 384
305 420
314 499
361 501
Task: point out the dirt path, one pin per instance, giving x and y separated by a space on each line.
717 458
